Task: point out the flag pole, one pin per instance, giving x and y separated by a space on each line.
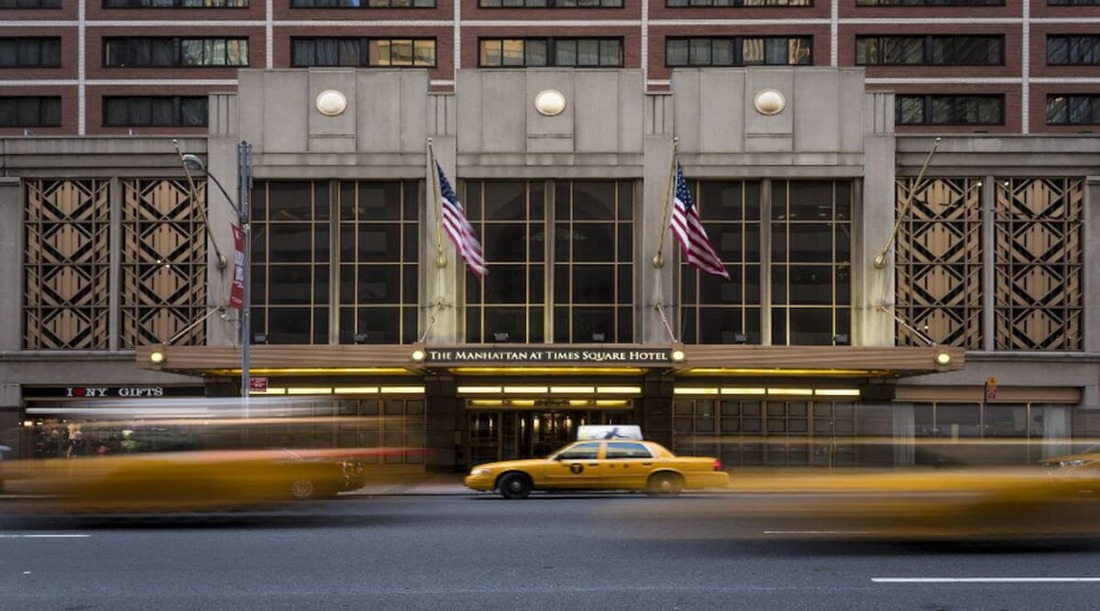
658 259
440 258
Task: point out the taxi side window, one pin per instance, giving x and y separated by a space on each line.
619 449
584 451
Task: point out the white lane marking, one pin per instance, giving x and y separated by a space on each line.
44 536
984 579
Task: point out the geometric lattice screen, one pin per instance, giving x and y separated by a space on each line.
66 264
939 263
163 284
1038 254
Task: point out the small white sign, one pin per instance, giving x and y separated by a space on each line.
588 432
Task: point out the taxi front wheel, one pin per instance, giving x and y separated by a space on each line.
515 486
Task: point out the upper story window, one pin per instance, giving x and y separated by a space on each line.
550 3
175 3
950 110
1073 50
174 51
525 52
1078 109
158 111
723 3
739 51
362 3
30 4
930 50
30 52
30 111
930 2
311 52
1073 2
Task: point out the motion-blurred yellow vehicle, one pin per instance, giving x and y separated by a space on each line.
642 466
181 481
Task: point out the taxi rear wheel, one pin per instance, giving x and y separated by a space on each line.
515 486
665 484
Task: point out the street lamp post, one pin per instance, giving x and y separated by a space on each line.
243 255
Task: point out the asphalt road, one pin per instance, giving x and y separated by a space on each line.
453 552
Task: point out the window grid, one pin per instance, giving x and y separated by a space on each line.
530 52
593 284
811 237
291 261
930 50
550 4
1073 109
362 3
30 4
155 111
739 51
753 432
174 52
175 3
379 246
726 312
30 111
949 109
42 52
363 52
1064 50
735 3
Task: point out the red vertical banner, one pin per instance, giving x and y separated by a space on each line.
236 295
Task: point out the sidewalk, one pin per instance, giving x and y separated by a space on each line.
422 484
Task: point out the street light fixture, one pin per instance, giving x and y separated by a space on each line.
243 251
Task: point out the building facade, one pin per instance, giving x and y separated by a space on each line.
902 203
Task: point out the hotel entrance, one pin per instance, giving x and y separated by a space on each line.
506 434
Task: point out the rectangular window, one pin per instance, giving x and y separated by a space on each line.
30 111
1073 2
30 4
550 3
1080 109
362 3
1073 50
949 110
739 51
159 111
362 52
30 52
175 3
528 52
930 50
930 3
728 3
174 52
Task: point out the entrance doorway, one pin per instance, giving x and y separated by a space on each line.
493 435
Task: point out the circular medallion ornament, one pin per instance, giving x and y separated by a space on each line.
769 102
331 102
550 102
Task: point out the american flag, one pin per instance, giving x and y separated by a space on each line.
685 223
456 225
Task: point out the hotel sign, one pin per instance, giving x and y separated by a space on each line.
550 356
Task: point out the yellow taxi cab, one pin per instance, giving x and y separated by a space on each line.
612 464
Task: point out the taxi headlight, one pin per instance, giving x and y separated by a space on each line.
481 471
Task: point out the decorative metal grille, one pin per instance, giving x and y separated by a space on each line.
1038 256
163 283
939 262
66 264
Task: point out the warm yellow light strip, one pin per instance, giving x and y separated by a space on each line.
695 391
486 402
522 371
618 390
525 390
356 390
479 390
317 370
790 391
612 403
837 392
307 390
776 371
744 391
269 391
580 390
522 402
398 390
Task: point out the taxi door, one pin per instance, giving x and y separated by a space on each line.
576 467
626 465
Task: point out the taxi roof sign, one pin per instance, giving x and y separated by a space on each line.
587 432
